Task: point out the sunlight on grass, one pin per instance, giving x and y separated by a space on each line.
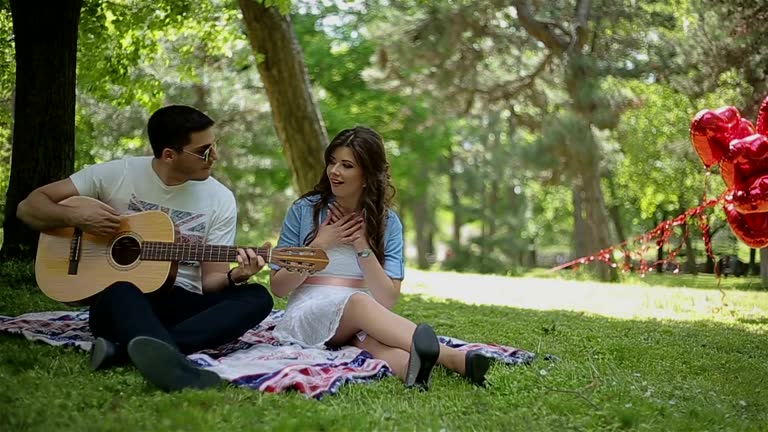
630 301
689 373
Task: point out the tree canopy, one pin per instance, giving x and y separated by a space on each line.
520 133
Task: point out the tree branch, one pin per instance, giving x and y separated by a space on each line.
511 89
539 29
579 28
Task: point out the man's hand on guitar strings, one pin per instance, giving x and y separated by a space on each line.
95 217
248 263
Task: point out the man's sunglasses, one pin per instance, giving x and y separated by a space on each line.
206 154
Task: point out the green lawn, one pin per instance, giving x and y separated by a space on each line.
701 366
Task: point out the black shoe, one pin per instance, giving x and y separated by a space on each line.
167 368
103 353
476 366
425 350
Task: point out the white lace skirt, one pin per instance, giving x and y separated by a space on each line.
313 314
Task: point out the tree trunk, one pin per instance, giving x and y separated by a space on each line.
709 265
597 220
580 236
580 76
690 254
753 268
660 258
764 267
531 261
297 118
660 246
453 186
201 97
614 211
44 115
421 225
493 209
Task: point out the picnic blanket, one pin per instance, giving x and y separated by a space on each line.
256 360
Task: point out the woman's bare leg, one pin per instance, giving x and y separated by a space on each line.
362 312
396 358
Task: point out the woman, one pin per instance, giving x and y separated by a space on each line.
348 215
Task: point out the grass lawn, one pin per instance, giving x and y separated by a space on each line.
633 356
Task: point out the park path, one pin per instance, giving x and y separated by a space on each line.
614 300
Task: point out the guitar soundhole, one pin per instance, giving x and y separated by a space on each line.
126 251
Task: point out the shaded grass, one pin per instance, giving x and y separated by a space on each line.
614 374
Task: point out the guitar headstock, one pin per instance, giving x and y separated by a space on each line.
303 259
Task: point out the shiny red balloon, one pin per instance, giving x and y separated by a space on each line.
711 132
723 137
751 228
762 118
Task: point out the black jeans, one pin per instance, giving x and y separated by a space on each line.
186 320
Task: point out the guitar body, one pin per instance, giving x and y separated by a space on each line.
103 261
72 266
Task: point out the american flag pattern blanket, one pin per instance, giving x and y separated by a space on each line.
256 360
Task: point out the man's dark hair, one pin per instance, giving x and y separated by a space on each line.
170 127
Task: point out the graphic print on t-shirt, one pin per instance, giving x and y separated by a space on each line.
190 227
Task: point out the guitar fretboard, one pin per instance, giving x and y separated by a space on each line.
164 251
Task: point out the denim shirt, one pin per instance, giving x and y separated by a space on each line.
298 224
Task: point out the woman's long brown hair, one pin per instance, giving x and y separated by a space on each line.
368 148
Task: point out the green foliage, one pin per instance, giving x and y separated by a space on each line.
7 83
173 53
283 5
478 126
17 274
659 174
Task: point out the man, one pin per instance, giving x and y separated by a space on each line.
209 304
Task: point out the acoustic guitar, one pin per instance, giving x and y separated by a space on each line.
72 266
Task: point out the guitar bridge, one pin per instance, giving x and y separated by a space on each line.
74 251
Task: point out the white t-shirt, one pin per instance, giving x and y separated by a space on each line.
203 212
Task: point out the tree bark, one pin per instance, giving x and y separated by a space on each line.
580 235
422 226
297 118
764 267
493 209
43 148
659 246
690 254
453 186
660 258
753 268
614 211
597 220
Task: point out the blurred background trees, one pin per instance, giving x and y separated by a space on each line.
521 134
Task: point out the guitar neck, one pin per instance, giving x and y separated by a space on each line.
165 251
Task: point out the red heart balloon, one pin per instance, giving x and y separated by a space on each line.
762 118
723 136
745 128
712 131
728 172
751 228
754 199
749 157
